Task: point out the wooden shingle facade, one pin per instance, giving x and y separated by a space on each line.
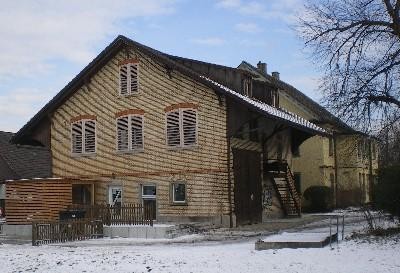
146 127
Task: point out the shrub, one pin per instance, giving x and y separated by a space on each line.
387 190
320 198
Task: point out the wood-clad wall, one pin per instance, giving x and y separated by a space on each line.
36 200
203 168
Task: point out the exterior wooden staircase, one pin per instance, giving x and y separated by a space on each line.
283 182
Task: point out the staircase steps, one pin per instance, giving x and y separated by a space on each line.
284 185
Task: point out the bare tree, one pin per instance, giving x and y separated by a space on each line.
357 42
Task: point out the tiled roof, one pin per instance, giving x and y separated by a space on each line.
272 111
22 161
119 43
324 116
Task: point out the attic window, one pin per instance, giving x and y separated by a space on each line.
130 133
181 127
246 87
83 136
129 78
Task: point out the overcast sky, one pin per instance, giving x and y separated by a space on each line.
45 43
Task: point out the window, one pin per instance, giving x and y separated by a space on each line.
181 129
130 133
359 149
178 193
373 150
148 191
246 86
83 137
115 195
331 146
128 78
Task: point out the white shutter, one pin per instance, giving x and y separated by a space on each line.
136 132
90 136
122 134
76 132
173 132
123 79
133 75
189 127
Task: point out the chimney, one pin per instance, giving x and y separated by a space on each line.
275 74
262 67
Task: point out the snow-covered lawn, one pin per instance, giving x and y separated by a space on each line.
191 254
350 256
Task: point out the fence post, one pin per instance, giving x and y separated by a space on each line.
34 237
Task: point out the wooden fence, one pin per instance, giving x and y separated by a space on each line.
125 214
64 231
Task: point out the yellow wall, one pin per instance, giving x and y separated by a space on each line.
203 168
316 165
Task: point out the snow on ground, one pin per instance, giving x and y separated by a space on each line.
182 255
350 256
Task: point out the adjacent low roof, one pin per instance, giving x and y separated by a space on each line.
324 116
293 119
22 161
109 52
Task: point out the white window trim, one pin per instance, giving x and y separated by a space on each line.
128 80
83 153
173 192
110 193
181 140
130 150
146 196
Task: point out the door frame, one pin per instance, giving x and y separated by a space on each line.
149 197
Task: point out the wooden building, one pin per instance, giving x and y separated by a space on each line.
20 161
200 142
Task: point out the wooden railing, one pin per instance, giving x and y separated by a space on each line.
64 231
292 189
125 214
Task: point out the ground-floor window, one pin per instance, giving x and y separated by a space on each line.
115 195
178 192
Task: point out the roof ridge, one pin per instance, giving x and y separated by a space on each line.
90 69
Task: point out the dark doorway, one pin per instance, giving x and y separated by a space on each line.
247 175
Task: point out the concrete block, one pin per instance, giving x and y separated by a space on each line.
20 231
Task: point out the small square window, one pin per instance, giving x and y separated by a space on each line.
149 191
178 193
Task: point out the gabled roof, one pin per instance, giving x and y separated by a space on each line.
22 161
96 64
324 116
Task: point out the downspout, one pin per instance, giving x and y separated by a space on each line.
229 181
228 144
336 168
370 186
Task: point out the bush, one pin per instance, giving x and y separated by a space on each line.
320 198
387 190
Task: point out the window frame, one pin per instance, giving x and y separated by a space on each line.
128 64
172 195
147 196
83 153
129 150
331 147
181 132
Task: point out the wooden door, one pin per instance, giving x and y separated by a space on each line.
247 178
